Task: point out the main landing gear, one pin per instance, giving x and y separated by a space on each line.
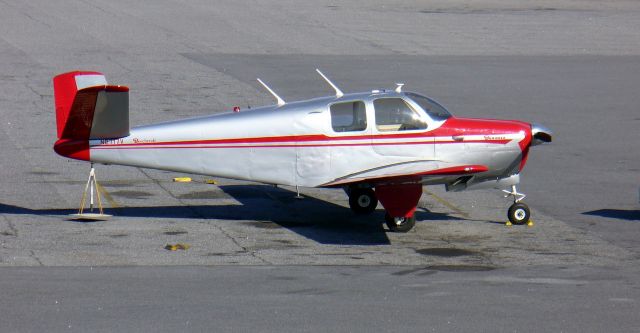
362 200
399 201
519 212
399 224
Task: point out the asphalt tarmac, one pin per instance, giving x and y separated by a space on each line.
261 259
316 298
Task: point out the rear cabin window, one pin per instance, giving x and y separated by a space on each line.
348 117
394 114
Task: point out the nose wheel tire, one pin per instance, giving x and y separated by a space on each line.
363 200
400 224
519 213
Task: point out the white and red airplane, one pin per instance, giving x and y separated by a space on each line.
380 145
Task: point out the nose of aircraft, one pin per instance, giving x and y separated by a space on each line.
540 134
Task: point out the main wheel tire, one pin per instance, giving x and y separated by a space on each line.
519 213
400 224
363 200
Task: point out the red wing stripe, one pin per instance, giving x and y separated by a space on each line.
451 171
459 170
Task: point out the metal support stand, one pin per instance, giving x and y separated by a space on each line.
298 196
91 187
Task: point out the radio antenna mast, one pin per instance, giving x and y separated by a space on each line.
281 101
339 92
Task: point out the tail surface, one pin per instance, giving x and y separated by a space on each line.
88 108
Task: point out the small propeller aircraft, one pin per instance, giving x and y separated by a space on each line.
380 145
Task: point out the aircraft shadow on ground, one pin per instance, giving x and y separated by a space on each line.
265 207
621 214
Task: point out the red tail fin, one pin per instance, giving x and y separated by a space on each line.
87 108
65 87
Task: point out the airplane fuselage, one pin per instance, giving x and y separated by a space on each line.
296 144
380 146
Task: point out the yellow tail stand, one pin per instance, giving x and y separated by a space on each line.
92 186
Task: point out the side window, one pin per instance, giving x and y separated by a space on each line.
394 114
348 117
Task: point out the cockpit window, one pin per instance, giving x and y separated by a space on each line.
436 111
394 114
348 117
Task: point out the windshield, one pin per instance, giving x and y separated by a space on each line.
436 111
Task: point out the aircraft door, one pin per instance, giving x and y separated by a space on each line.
313 155
400 130
350 134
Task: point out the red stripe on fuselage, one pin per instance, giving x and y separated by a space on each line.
211 145
452 127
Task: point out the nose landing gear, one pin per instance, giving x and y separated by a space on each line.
519 212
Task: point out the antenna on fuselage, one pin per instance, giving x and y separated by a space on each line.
281 101
399 87
339 92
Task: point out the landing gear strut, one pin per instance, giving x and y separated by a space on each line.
399 201
519 212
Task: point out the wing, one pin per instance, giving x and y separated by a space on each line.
414 171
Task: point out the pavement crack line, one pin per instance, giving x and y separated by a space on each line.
447 204
33 90
32 254
197 213
13 231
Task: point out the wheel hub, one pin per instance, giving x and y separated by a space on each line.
400 220
364 201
